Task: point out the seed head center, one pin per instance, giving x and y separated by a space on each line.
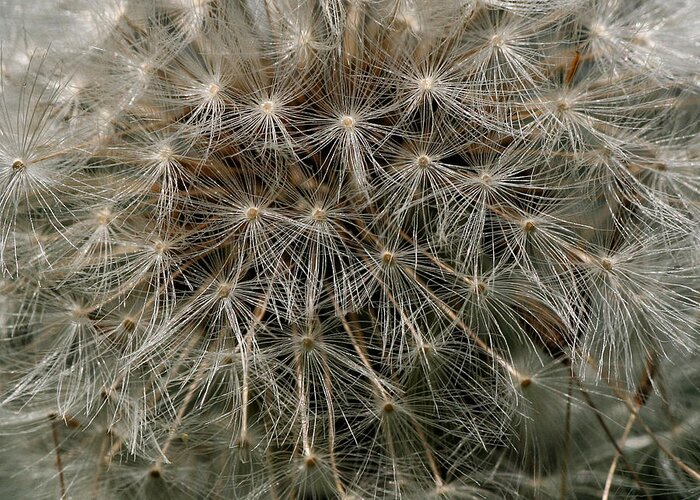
426 84
160 247
165 154
213 89
478 287
423 161
319 214
563 104
308 343
17 165
597 30
347 121
103 217
224 290
497 41
252 213
267 107
304 37
129 324
388 258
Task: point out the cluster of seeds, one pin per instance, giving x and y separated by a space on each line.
354 249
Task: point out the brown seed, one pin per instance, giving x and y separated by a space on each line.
213 89
308 343
319 214
267 107
347 121
388 258
224 291
479 287
426 84
129 324
252 213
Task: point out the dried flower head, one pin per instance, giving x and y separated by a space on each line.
351 249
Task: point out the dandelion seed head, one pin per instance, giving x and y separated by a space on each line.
79 313
304 37
598 30
103 217
423 161
18 165
529 226
224 290
318 214
347 122
497 41
160 247
267 107
486 180
129 324
308 343
388 258
563 104
479 287
310 461
165 154
144 68
252 213
377 247
213 90
606 263
242 443
426 84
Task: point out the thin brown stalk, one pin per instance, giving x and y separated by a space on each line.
57 450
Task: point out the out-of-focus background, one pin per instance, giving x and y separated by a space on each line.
65 27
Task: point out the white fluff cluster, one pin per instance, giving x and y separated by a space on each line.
350 249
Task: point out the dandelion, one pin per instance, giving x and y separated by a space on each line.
351 249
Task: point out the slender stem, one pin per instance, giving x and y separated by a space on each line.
100 466
194 385
245 348
480 343
643 389
631 402
613 465
57 450
567 438
302 397
361 349
448 311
